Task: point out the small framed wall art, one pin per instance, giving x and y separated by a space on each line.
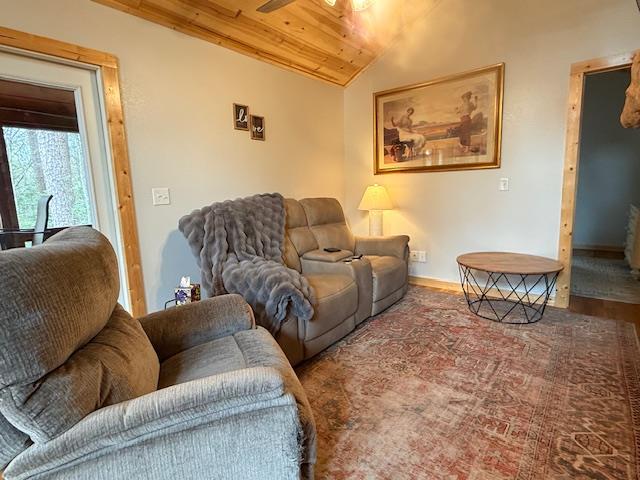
257 127
240 117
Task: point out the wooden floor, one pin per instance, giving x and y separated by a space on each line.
629 312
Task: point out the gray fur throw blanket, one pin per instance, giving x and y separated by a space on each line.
238 245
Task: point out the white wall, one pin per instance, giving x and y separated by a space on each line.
609 172
450 213
178 93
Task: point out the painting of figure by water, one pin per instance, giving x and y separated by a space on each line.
452 123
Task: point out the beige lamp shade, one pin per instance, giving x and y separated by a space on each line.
375 198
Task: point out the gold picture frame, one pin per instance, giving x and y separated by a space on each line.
445 124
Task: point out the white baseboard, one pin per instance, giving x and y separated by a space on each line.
454 287
435 283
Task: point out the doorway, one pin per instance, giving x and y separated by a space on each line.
608 195
578 79
92 154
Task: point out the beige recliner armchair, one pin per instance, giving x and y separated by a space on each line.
88 392
347 293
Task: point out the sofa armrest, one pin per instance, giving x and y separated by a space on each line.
393 246
142 421
177 329
330 257
316 267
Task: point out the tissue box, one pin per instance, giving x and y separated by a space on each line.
188 294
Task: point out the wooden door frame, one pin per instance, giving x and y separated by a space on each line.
106 67
572 159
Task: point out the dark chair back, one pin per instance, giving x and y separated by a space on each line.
42 219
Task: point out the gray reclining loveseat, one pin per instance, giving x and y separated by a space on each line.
347 293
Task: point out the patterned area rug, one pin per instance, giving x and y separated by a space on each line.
605 278
426 390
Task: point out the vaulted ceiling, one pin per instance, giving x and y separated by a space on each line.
333 44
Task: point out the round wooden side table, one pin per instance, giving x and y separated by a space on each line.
508 287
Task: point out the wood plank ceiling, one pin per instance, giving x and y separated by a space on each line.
333 44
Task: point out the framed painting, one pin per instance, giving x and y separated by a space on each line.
451 123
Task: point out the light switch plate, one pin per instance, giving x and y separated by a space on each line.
503 186
161 196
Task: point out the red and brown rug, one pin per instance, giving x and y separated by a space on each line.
427 390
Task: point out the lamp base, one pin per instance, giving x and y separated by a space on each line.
375 223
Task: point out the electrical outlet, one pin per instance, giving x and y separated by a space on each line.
419 256
503 186
413 269
161 196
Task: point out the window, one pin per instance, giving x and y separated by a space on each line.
41 154
47 162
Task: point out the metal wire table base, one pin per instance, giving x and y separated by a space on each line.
507 298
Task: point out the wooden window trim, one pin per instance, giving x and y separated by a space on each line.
106 66
571 161
8 211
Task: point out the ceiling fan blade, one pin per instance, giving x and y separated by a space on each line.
272 5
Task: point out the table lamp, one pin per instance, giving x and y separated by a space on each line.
375 199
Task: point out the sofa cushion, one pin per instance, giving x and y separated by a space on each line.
297 228
336 235
244 349
65 348
59 295
321 211
12 442
336 300
389 274
211 358
327 223
117 365
290 255
295 214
